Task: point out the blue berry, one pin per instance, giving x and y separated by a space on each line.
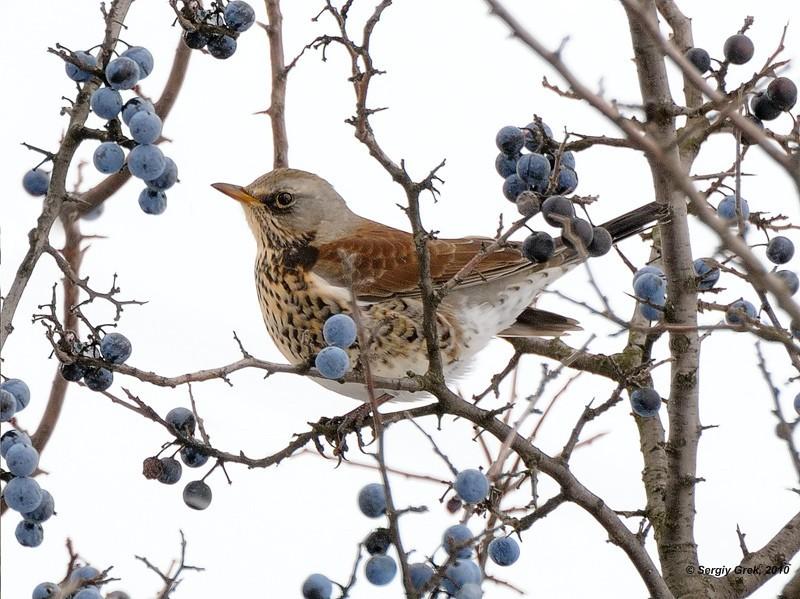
649 269
19 390
145 127
510 140
789 279
182 420
36 182
699 58
166 179
650 287
780 250
46 590
108 158
568 160
556 210
380 570
98 379
420 574
579 233
457 536
221 46
505 165
504 551
538 247
171 471
8 406
339 330
372 500
152 201
649 307
378 541
707 273
11 438
726 209
646 402
472 486
239 15
470 590
143 59
797 403
536 136
738 49
22 460
513 186
332 362
601 242
115 348
72 372
22 494
106 103
193 456
738 310
764 108
197 495
196 40
45 509
88 593
146 162
567 180
783 93
134 106
29 534
87 62
460 573
122 73
317 586
84 573
534 169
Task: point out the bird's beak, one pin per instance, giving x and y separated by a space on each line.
236 192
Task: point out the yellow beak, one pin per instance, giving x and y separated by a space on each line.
237 192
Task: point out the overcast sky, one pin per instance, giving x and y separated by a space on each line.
453 79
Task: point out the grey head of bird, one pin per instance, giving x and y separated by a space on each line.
287 205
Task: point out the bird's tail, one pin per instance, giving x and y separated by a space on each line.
634 222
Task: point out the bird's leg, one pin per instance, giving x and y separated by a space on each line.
353 420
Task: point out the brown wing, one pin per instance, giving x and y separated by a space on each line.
385 261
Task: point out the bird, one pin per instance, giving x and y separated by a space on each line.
314 255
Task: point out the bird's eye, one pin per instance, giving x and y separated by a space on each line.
283 199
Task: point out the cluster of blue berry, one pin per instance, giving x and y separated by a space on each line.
114 348
83 582
22 493
779 96
168 471
216 29
339 332
537 181
461 578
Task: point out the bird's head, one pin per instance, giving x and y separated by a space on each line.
287 204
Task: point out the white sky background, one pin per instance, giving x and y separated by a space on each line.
453 79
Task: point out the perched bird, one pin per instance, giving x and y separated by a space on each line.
313 252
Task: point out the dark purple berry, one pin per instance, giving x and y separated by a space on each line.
699 58
538 247
780 250
579 233
601 242
738 49
557 210
783 93
764 108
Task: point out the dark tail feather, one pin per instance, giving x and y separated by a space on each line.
534 322
634 222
